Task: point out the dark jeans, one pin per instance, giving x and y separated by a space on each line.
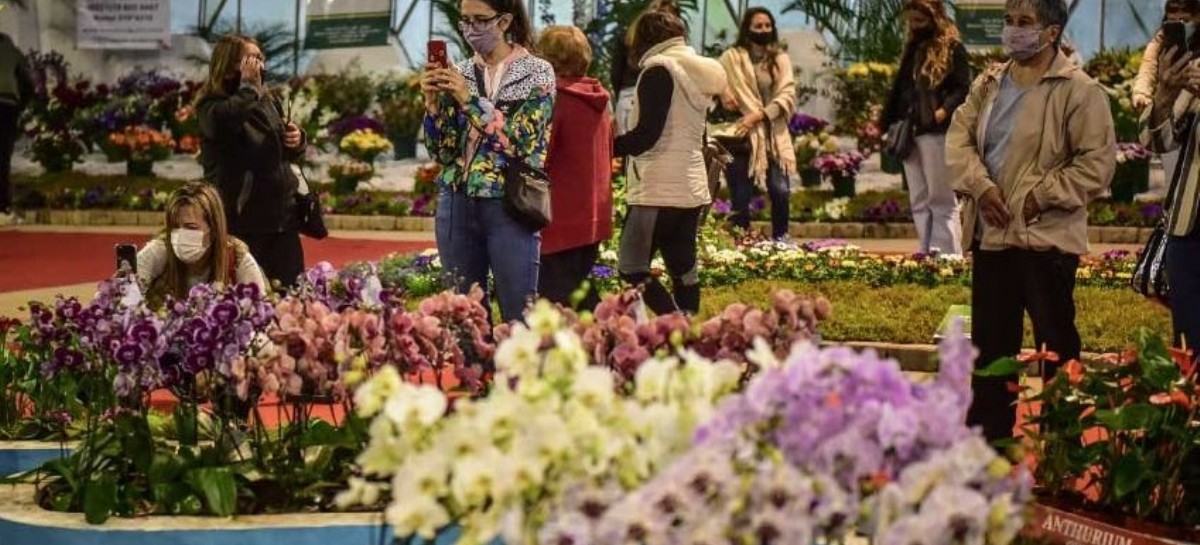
562 273
1183 273
741 190
10 115
280 255
1006 284
673 231
475 236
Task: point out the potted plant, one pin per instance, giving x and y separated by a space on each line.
56 151
841 169
1132 175
810 140
402 109
1118 441
141 147
364 145
347 175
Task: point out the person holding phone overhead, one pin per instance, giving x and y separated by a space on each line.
246 149
486 113
1028 150
194 248
1179 15
1170 124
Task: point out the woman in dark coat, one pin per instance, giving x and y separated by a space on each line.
246 148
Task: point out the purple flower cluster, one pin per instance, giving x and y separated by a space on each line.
852 415
149 83
353 286
831 442
211 332
347 125
140 351
887 211
802 123
823 244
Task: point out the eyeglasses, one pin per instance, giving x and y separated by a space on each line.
482 23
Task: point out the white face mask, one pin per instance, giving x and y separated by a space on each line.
189 245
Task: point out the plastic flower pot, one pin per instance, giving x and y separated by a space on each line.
843 186
810 177
404 147
346 185
139 168
1130 178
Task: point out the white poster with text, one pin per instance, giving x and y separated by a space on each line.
123 24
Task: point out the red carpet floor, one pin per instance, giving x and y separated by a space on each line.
31 260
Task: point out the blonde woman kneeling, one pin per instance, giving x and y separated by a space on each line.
195 248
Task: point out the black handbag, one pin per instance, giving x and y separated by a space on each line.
900 139
309 212
526 189
526 194
311 216
1150 275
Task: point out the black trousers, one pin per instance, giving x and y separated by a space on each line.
561 273
280 256
1005 285
10 130
674 232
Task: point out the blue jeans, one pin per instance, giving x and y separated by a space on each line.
1183 275
476 236
741 190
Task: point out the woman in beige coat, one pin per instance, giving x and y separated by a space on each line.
763 88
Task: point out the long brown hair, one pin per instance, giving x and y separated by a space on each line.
669 6
653 28
939 50
207 202
225 66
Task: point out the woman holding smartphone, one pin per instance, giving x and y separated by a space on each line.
246 148
482 114
1182 13
194 248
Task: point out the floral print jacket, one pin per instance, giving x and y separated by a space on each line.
515 126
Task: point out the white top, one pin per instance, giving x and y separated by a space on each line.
152 261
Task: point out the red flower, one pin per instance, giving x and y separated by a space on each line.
1074 372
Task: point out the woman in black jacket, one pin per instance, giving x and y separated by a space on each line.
246 148
932 82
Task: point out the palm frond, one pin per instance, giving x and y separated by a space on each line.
865 30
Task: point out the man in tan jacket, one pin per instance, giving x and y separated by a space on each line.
1027 152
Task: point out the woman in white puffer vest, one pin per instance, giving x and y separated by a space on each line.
668 181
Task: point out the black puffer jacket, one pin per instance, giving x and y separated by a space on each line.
909 91
241 149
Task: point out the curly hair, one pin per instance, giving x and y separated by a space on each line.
939 50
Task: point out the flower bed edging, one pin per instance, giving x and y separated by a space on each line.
22 522
20 456
345 222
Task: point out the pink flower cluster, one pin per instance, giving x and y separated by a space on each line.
792 318
845 164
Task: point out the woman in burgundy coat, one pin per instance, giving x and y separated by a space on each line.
579 165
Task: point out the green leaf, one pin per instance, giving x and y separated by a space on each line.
217 486
1004 367
1132 417
99 498
1128 473
321 433
138 444
186 425
1158 369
